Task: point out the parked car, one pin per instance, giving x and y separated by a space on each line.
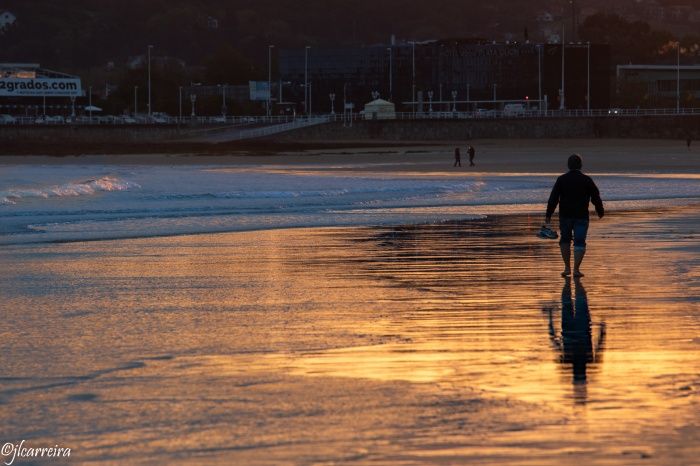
6 119
484 113
158 117
55 119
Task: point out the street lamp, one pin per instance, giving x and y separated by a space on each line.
306 79
454 101
539 75
413 79
90 102
332 97
430 100
180 106
588 79
193 99
269 79
223 100
391 81
562 104
149 80
678 77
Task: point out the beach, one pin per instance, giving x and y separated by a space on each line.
347 306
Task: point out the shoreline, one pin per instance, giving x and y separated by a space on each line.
657 207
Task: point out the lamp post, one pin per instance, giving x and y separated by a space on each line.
430 100
331 96
72 106
413 79
454 101
588 77
345 103
391 81
180 106
149 80
90 103
678 77
193 100
136 101
306 79
269 79
562 104
223 101
539 75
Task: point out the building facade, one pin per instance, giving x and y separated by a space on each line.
446 74
660 85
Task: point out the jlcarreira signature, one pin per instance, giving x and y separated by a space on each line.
13 451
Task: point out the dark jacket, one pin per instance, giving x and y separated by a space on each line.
573 191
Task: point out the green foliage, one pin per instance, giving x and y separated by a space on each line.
630 42
76 34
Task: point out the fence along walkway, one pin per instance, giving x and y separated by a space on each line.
237 134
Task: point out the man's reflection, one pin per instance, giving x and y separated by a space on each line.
575 344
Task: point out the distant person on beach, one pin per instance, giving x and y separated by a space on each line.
572 192
458 158
471 152
688 142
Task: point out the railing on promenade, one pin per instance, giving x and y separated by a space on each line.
253 121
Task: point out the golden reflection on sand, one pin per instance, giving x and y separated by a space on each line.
452 309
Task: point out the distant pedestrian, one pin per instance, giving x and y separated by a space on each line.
688 142
471 155
458 158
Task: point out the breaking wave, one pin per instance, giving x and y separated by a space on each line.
72 189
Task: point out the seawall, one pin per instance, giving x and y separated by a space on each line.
655 127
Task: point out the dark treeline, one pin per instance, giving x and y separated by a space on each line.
77 34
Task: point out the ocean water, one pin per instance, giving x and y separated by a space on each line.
74 202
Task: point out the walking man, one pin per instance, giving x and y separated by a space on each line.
471 155
458 158
572 192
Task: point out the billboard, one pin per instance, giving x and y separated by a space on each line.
259 90
38 87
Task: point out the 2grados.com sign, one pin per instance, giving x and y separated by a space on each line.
38 87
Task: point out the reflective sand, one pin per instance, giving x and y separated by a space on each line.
447 343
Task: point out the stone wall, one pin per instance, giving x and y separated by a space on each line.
449 130
14 134
668 127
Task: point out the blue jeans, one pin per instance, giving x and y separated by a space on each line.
576 227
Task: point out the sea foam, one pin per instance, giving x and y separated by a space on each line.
71 189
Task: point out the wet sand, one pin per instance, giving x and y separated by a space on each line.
542 155
453 343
